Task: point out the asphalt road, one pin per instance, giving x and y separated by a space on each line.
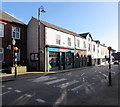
57 89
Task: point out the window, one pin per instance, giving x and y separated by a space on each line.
18 55
88 47
1 30
84 45
78 43
69 41
15 32
58 39
93 48
1 54
69 58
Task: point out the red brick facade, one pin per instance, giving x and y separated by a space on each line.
20 43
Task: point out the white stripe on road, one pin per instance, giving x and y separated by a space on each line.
82 74
3 86
28 95
55 81
74 89
64 85
43 79
18 91
40 100
9 88
5 93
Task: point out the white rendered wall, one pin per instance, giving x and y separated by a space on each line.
51 38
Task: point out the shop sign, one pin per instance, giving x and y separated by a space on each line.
53 49
63 49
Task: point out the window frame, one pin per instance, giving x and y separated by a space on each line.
58 39
2 29
69 41
78 43
2 55
15 31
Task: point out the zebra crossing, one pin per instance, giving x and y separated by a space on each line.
64 83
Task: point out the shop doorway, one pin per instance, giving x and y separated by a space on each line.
89 60
63 60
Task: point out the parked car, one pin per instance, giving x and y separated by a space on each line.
116 62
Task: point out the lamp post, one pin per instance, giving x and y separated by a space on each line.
40 10
109 76
13 43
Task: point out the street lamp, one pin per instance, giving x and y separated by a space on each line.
40 10
109 77
13 43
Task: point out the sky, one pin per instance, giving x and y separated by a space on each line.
98 18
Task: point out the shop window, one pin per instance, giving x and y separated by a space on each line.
1 54
15 32
58 39
54 59
69 58
69 41
1 30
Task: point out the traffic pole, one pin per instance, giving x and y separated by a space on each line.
109 76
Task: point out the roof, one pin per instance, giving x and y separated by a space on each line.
85 34
6 17
58 28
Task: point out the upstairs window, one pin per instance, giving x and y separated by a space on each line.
69 41
15 32
78 43
88 47
1 30
84 45
58 39
93 48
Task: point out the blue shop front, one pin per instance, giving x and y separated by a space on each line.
59 58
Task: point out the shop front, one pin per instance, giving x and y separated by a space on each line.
59 58
81 59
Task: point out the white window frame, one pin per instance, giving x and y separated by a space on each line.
84 44
78 43
69 41
58 39
1 30
18 55
14 30
93 48
2 52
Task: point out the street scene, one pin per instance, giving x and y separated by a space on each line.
59 53
75 87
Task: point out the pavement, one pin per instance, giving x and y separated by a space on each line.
11 77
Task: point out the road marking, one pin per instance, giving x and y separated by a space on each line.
9 88
82 74
5 93
43 79
55 81
18 91
40 100
76 88
64 85
28 95
3 86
